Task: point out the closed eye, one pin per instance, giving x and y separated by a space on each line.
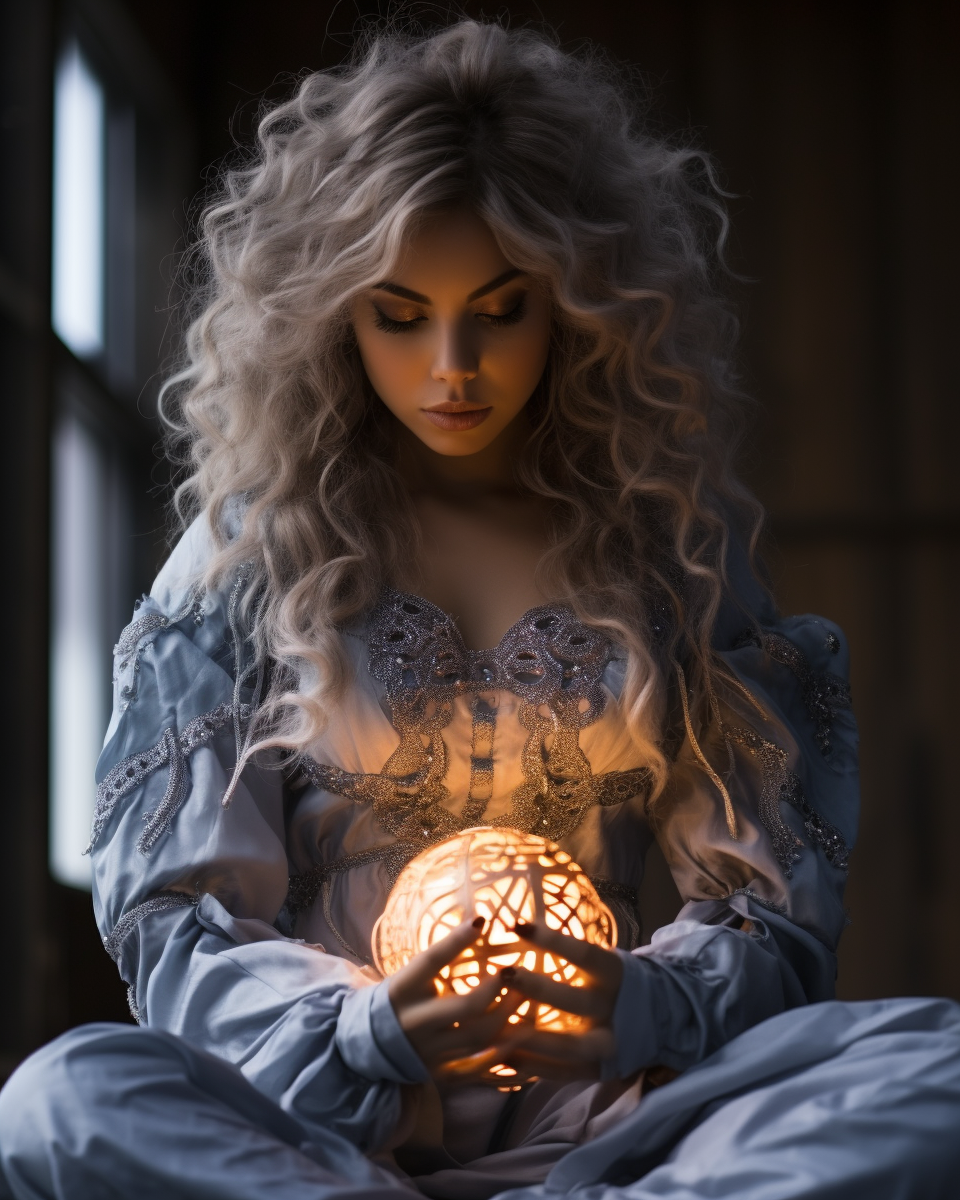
515 314
392 325
389 325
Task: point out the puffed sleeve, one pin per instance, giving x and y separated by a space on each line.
187 888
756 826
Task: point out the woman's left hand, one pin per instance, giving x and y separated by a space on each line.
564 1056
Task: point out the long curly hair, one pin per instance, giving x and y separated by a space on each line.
634 424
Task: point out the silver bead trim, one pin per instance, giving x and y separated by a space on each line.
113 943
407 814
130 772
416 649
823 693
770 905
548 658
781 785
138 629
305 887
159 820
131 642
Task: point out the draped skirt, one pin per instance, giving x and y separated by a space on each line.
833 1101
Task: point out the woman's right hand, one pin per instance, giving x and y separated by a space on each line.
453 1035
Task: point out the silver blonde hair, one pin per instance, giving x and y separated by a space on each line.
634 423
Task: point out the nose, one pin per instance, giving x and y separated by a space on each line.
455 360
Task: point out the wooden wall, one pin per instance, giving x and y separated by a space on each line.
834 123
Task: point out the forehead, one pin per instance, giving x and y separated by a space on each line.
451 252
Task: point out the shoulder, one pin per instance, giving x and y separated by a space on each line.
181 656
747 601
179 602
183 572
185 566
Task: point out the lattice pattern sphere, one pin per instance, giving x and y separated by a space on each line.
504 876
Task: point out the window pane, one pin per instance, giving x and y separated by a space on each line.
78 684
120 253
78 199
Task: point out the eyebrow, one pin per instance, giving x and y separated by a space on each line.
418 297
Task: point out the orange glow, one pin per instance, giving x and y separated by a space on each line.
504 876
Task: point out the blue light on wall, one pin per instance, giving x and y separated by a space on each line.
78 205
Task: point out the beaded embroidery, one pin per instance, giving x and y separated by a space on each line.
113 944
131 645
779 784
548 658
554 664
171 749
163 901
305 888
770 905
138 629
822 692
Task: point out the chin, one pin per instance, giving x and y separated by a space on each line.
456 445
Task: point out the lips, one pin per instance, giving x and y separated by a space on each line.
456 420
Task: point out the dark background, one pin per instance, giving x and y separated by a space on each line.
835 126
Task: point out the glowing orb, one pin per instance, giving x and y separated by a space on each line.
503 876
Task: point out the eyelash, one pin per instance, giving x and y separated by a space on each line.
389 325
515 314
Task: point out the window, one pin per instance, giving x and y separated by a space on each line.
78 204
111 175
88 509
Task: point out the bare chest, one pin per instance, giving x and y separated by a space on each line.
481 567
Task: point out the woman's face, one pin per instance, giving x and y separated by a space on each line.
455 341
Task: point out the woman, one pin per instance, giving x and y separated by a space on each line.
467 548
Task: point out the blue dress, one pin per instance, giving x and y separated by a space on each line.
239 911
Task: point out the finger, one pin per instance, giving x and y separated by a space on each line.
442 1012
489 1073
535 1066
470 1053
479 1033
436 1037
595 960
422 969
461 1041
589 1045
581 1001
473 1068
478 1064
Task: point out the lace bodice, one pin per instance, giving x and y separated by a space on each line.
527 734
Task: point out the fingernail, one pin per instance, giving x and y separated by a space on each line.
478 922
523 929
508 972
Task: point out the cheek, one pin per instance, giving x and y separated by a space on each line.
392 367
522 364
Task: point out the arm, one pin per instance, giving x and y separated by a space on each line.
187 891
760 869
763 912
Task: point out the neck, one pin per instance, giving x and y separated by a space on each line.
460 476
